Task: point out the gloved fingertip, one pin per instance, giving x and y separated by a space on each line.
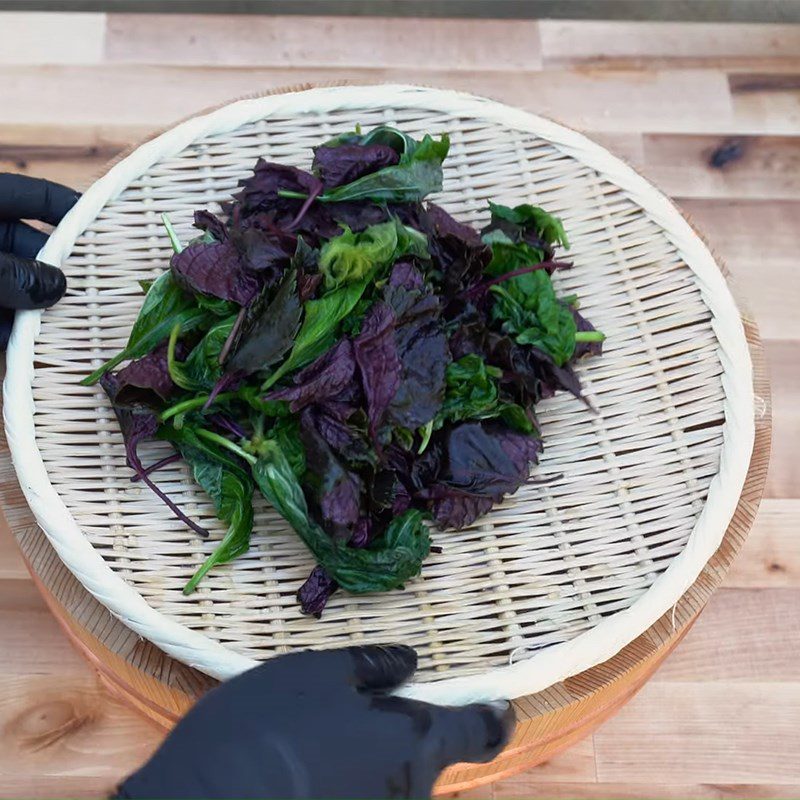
500 724
475 733
378 668
27 284
59 284
46 287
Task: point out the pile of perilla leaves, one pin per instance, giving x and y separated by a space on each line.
362 359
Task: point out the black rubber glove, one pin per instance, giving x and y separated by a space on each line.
24 282
319 725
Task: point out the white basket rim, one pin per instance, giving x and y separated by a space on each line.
541 669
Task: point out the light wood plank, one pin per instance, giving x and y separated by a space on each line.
51 38
75 166
783 479
31 641
66 738
301 41
758 242
734 639
12 567
69 134
765 103
720 732
768 167
656 44
770 557
665 101
527 786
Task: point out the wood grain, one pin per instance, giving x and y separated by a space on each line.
704 732
42 38
761 167
720 718
12 567
32 642
72 165
69 134
783 479
766 103
66 738
644 45
770 557
267 41
529 786
733 639
729 227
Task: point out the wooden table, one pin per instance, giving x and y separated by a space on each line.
722 716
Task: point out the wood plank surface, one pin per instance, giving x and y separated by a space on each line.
766 102
770 557
524 786
720 719
66 738
644 45
734 640
704 732
783 479
40 38
32 642
267 41
747 167
763 266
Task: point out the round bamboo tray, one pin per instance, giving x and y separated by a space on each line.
548 720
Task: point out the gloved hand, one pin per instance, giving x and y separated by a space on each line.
319 725
24 282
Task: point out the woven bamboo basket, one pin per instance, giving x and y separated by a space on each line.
561 577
